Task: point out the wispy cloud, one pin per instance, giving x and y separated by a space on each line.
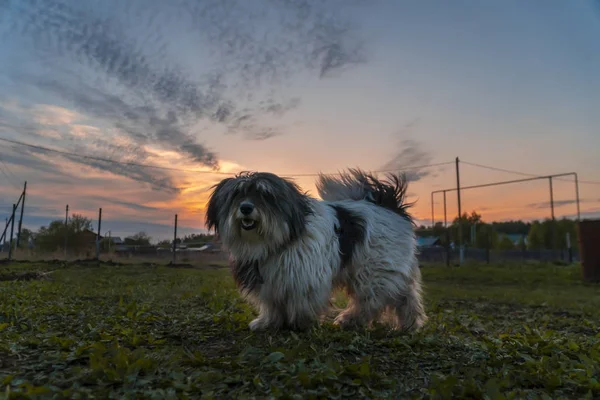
255 44
87 141
411 153
557 203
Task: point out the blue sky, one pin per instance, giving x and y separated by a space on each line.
382 84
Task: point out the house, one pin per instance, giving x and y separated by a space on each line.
117 244
428 241
116 240
89 236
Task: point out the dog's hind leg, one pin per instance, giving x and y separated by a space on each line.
409 305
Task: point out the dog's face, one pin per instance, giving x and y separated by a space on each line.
257 208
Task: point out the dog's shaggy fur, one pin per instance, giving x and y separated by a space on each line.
288 251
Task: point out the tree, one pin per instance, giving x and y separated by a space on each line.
165 244
566 226
505 243
139 239
26 236
546 234
200 238
535 238
52 237
467 222
512 227
486 237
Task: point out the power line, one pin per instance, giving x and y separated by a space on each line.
107 160
383 171
522 173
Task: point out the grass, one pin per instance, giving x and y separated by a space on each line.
154 332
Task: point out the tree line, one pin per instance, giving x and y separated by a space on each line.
546 234
77 235
535 235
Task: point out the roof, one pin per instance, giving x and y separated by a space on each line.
427 240
514 237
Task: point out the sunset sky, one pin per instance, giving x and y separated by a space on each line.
294 88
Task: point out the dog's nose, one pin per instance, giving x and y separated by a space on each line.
246 208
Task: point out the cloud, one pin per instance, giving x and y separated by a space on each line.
143 124
270 40
133 206
410 153
252 44
51 167
557 203
50 172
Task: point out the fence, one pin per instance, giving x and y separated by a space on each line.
440 254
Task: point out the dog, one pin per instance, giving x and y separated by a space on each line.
290 251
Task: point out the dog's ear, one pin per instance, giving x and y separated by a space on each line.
215 201
296 207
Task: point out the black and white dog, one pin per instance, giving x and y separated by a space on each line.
289 251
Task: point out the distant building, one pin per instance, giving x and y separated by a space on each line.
116 240
89 237
428 241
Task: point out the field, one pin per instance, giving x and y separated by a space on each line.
157 332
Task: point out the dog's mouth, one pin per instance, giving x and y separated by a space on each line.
248 224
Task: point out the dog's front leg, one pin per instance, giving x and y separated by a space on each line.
269 317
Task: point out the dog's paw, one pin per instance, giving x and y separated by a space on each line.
414 326
345 321
258 324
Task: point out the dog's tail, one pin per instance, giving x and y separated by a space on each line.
356 184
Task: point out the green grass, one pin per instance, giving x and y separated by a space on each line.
164 333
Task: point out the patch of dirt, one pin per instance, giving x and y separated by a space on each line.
24 276
201 267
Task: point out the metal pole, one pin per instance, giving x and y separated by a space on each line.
445 215
175 239
12 229
551 198
21 217
577 197
460 238
552 226
66 228
4 234
447 232
98 234
432 215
